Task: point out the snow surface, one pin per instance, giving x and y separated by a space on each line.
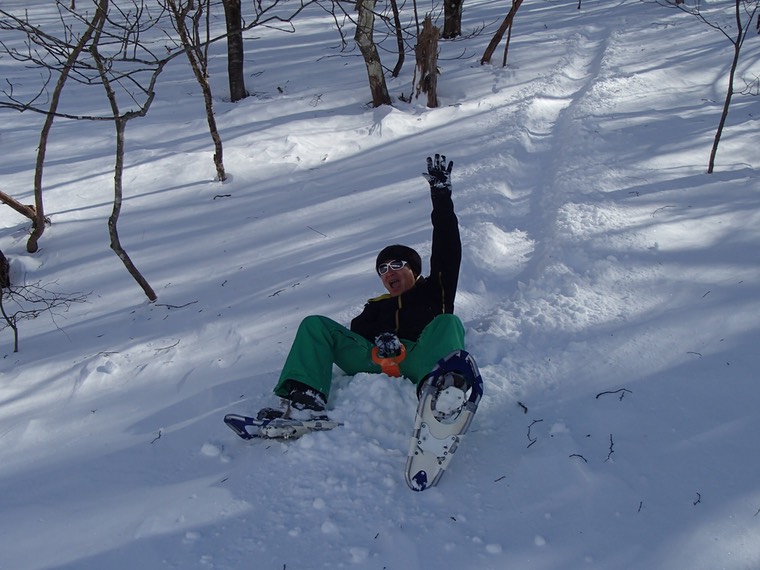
609 290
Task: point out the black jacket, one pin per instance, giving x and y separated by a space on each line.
407 314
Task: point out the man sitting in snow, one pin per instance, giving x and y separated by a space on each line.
402 333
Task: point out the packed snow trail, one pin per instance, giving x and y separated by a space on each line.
542 180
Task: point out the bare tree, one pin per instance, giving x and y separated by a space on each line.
264 13
365 27
364 21
26 302
233 16
70 55
497 37
452 18
743 13
29 302
741 8
109 73
198 58
112 53
426 51
399 38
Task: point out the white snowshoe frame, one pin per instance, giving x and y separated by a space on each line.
436 437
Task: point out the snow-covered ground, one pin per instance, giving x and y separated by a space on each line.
609 290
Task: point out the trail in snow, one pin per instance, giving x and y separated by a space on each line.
541 169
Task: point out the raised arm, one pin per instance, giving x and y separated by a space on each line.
446 255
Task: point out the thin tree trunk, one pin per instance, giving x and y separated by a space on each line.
113 231
120 122
365 25
399 39
5 283
199 70
505 25
11 322
234 18
38 225
730 91
506 44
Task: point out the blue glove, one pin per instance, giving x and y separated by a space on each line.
439 175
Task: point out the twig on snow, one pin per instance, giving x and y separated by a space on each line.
612 450
622 392
176 306
661 209
164 348
281 290
317 231
530 438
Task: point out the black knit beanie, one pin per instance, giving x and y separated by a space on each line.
401 253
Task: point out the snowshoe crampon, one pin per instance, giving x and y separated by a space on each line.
448 401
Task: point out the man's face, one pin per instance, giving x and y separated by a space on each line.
396 281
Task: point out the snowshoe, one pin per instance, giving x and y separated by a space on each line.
276 428
448 400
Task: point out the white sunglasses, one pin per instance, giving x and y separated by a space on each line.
383 268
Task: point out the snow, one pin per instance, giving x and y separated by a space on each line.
609 292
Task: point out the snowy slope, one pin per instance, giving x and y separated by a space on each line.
609 290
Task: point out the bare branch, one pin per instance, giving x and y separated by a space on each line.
25 302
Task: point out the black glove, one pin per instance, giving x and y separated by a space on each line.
388 345
439 175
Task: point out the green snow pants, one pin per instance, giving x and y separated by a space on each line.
321 342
